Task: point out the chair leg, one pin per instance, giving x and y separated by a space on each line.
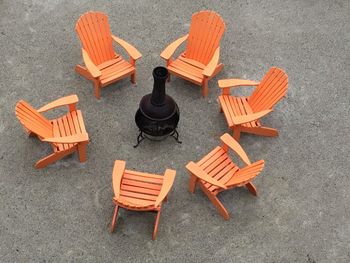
52 158
97 89
251 189
236 133
192 184
114 218
82 151
216 202
83 72
155 230
133 78
205 87
263 131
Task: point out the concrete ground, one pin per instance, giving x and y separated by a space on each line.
62 213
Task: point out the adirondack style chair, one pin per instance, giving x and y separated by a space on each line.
140 191
66 134
243 114
102 65
200 61
216 172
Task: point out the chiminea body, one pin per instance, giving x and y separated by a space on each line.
158 114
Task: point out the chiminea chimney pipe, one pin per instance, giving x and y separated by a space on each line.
160 75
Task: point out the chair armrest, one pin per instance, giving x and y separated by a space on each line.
198 172
246 174
168 181
210 68
83 137
68 100
92 68
169 50
118 172
237 120
130 49
230 142
231 83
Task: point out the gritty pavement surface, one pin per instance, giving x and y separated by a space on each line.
62 213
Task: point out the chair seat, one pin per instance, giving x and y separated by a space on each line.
139 190
219 166
236 106
114 69
187 68
70 124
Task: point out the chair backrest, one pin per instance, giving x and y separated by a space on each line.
206 31
270 90
95 36
32 120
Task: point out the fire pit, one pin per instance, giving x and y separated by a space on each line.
158 113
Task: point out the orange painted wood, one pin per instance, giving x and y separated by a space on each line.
243 114
66 134
200 61
102 65
140 191
216 172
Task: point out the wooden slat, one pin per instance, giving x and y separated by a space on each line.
138 195
31 119
230 110
225 109
89 45
137 203
271 89
215 163
75 119
185 75
80 121
139 189
148 175
115 69
95 36
223 165
117 76
192 62
206 31
109 63
210 154
107 35
267 88
141 184
192 70
215 156
142 179
224 177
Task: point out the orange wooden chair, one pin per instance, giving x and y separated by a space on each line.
66 134
140 191
216 172
200 61
102 65
243 113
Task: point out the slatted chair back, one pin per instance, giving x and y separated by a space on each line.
32 120
206 31
270 90
95 36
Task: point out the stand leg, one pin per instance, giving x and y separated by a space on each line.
175 135
140 138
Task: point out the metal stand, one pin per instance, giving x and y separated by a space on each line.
175 135
141 137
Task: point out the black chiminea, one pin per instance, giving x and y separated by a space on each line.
158 114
